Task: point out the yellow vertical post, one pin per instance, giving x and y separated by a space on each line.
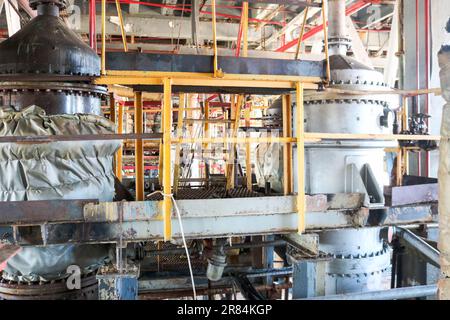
399 173
301 199
122 28
206 134
119 153
112 108
404 120
176 171
217 71
404 126
103 61
230 167
325 34
112 118
161 160
167 130
248 159
287 148
245 29
226 134
139 146
302 32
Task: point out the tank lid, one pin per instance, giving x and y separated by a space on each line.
48 48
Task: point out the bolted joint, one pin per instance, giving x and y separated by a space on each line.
61 4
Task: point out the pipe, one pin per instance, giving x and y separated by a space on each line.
392 294
92 25
337 30
427 251
354 8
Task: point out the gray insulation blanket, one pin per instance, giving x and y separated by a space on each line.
55 170
444 165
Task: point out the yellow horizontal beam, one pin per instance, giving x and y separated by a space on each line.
125 80
317 136
205 79
234 140
309 137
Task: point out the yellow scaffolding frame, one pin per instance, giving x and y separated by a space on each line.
167 131
169 79
139 146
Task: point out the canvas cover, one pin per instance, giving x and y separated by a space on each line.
50 171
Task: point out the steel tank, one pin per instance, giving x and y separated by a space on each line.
47 64
46 74
360 258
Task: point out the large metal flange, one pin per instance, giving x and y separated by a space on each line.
51 290
66 87
53 97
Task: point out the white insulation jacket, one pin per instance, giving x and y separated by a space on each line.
51 171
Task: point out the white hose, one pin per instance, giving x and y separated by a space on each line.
183 238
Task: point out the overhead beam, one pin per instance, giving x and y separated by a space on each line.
158 28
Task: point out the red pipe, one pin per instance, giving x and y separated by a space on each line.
348 12
212 97
92 25
239 37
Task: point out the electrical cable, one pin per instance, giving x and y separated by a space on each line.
182 237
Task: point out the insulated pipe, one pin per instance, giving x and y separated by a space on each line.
337 30
429 253
392 294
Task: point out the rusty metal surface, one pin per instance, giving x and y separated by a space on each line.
335 201
411 194
83 137
56 290
215 192
202 218
16 212
405 215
